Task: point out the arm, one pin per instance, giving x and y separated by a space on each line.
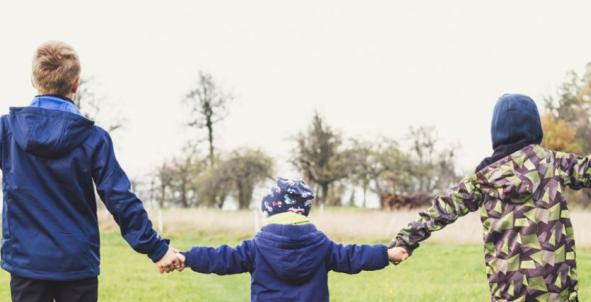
352 259
459 200
223 260
574 170
113 186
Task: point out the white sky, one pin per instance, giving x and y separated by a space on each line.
371 68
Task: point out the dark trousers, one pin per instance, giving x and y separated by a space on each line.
29 290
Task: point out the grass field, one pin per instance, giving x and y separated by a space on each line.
436 272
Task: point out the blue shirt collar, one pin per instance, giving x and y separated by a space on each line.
55 103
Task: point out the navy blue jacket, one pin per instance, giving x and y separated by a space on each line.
50 159
288 262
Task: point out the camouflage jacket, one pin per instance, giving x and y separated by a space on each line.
528 237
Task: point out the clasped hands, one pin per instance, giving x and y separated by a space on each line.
172 260
397 255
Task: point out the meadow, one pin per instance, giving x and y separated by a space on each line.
449 268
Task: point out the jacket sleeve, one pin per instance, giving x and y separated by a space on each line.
114 188
574 170
223 260
458 201
352 259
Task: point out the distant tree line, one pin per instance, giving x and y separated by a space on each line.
400 172
567 123
328 162
379 166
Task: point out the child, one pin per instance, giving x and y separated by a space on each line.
289 259
51 159
529 242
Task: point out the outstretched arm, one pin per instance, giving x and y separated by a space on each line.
574 170
352 259
223 260
114 188
458 201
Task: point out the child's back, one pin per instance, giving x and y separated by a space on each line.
528 236
289 259
52 159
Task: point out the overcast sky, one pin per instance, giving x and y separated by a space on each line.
371 68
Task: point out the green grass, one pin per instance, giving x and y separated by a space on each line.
434 273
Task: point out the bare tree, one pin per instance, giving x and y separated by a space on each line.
214 186
319 155
380 163
423 141
178 179
164 178
238 173
362 166
248 168
181 182
207 102
432 168
91 106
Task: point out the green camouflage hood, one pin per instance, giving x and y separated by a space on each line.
528 237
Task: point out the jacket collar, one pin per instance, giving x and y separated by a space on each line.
500 152
54 102
288 218
61 97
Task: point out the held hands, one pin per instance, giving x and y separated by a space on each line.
172 260
397 255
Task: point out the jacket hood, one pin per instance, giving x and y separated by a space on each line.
293 252
48 133
516 120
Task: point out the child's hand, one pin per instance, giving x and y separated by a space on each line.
179 265
172 260
182 259
397 255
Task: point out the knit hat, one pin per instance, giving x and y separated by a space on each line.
288 196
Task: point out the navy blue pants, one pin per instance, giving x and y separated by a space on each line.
29 290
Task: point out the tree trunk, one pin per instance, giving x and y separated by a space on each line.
380 192
365 184
247 197
184 199
244 194
221 200
334 199
324 193
352 198
161 199
209 125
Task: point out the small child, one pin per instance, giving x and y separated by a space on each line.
289 259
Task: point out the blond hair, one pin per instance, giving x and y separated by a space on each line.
55 68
